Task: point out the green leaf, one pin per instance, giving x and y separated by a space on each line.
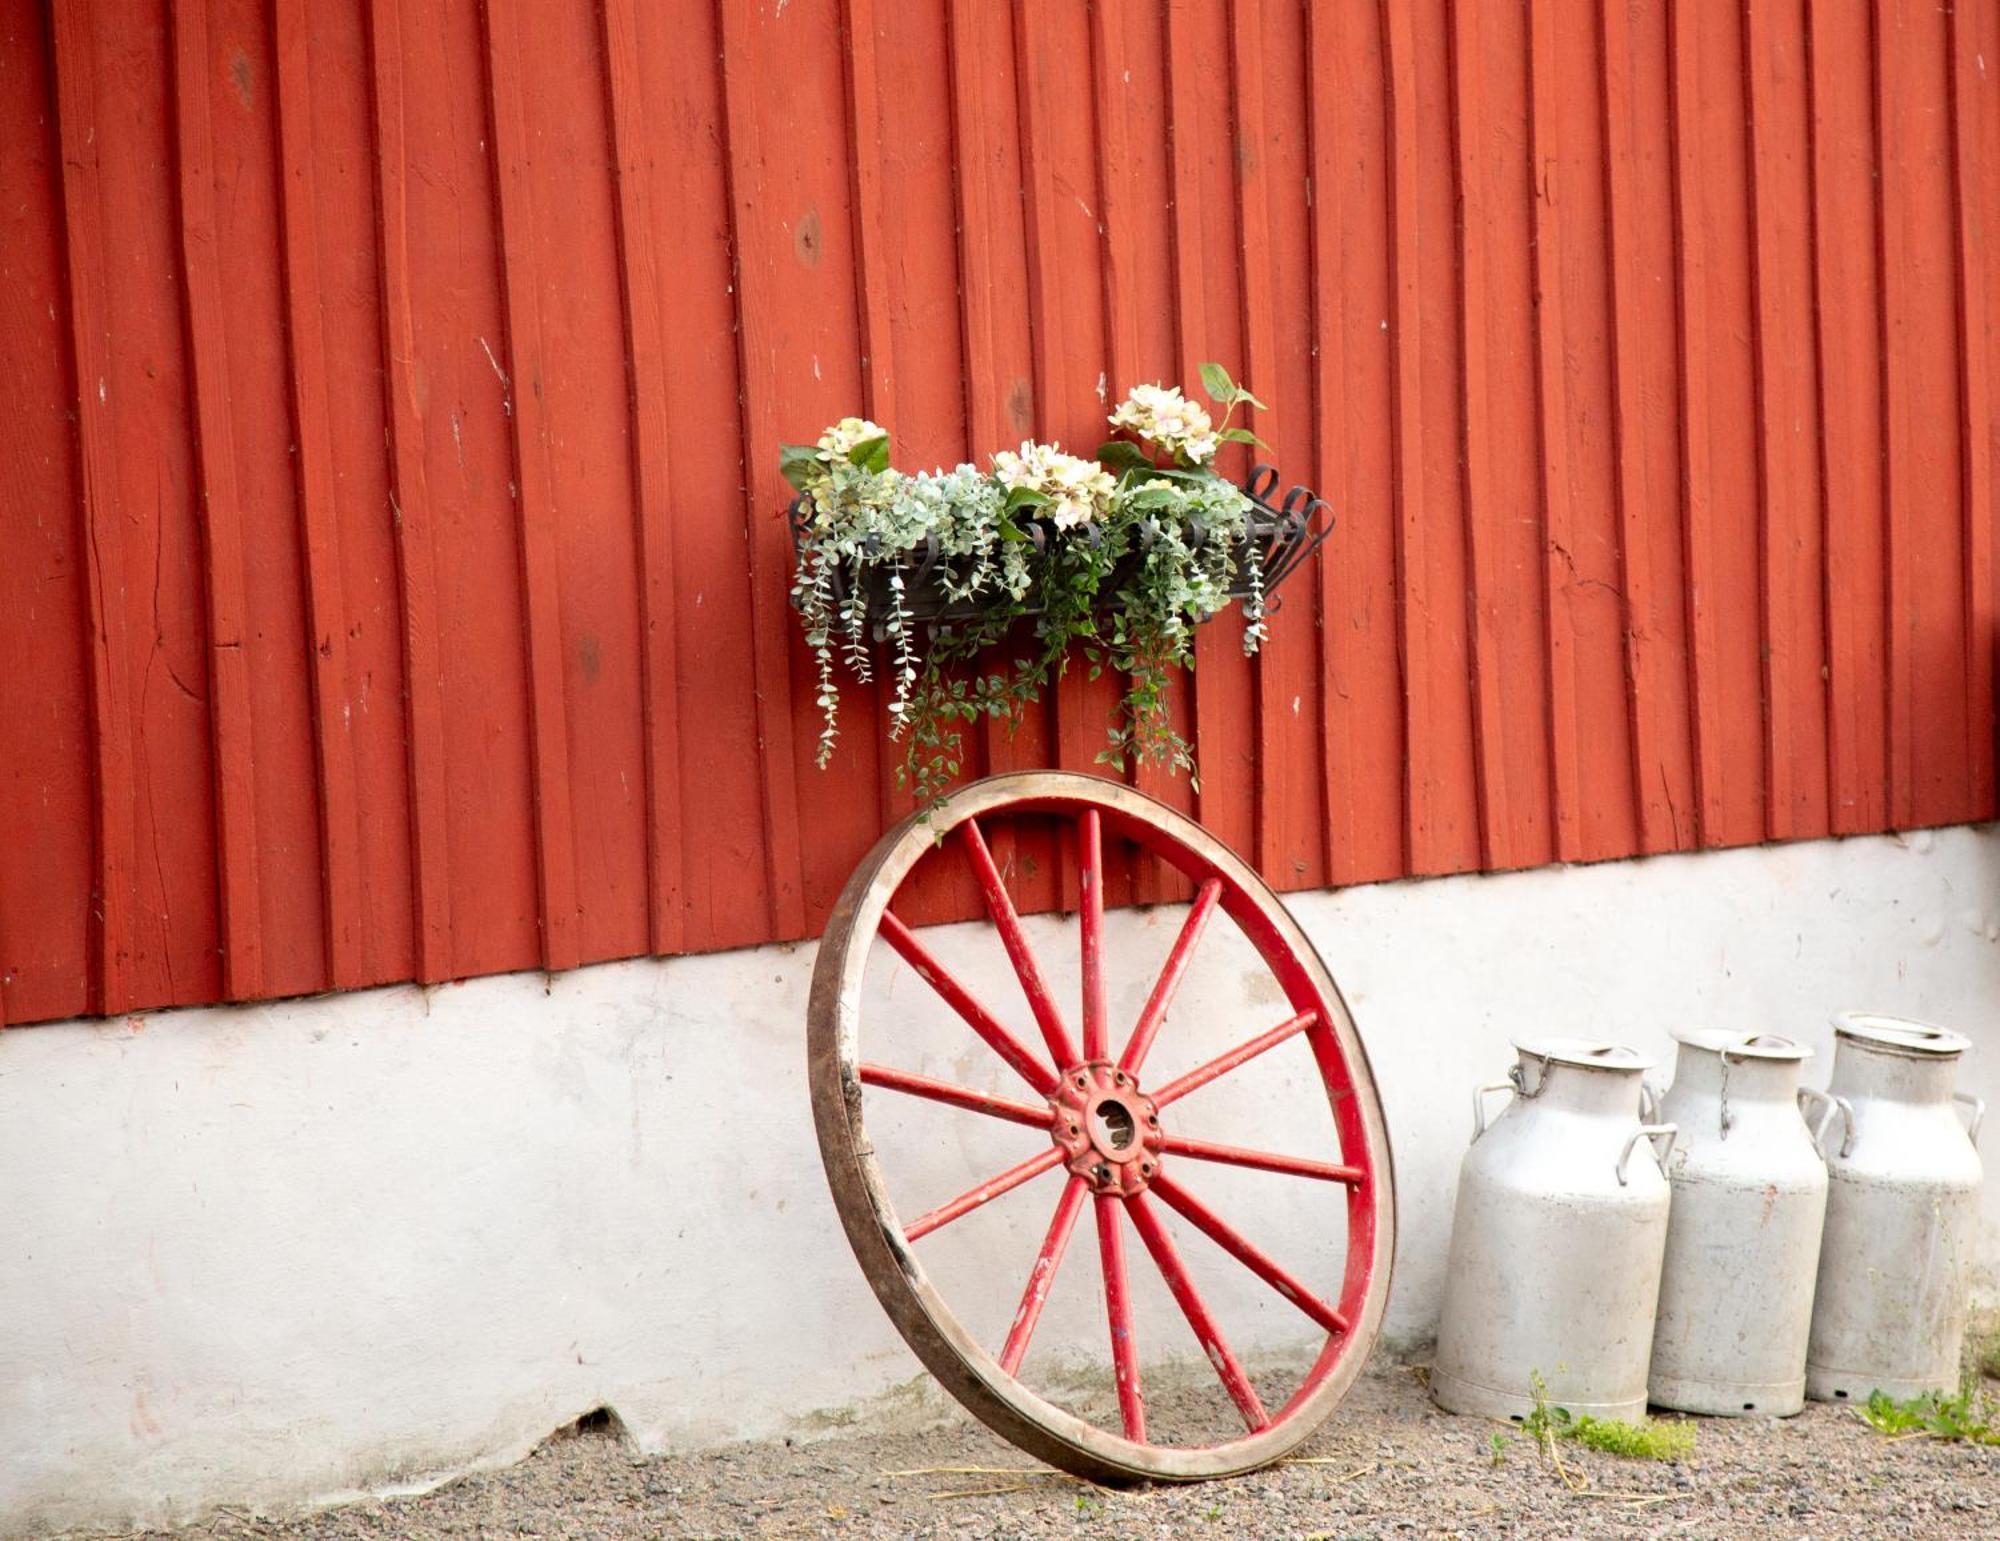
1124 455
871 454
1024 497
1215 380
1241 436
800 464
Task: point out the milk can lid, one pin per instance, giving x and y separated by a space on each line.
1899 1033
1720 1040
1590 1053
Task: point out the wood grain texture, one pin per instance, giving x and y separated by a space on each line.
525 370
416 560
344 897
114 784
221 510
647 351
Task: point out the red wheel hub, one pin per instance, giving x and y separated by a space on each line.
1107 1129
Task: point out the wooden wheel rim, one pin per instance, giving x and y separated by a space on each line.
960 1362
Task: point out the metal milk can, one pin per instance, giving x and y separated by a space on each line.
1557 1240
1749 1200
1902 1211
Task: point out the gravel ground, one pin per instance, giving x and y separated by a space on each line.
1388 1465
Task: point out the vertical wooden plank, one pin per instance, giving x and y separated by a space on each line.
1892 264
1791 552
51 930
1847 401
1364 720
724 899
1484 595
1976 426
1063 319
1279 164
584 388
341 220
1112 100
992 295
534 495
859 39
1329 400
215 454
416 570
1552 402
1696 512
1628 430
859 43
1190 296
1414 600
645 342
85 248
1774 488
1206 262
761 391
1928 413
1112 103
986 421
973 198
1275 789
345 904
277 644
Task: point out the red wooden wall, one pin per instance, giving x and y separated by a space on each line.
392 576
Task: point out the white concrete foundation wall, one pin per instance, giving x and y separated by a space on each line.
270 1255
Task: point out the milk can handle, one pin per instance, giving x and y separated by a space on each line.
1978 1106
1833 1105
1479 1104
1649 1132
1649 1100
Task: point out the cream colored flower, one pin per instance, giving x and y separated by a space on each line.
1077 490
838 442
1162 416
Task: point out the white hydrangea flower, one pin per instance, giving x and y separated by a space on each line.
1162 416
1078 490
838 442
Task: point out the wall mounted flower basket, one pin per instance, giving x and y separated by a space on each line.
1115 559
1282 534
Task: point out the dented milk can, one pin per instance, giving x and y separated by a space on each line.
1557 1240
1749 1199
1901 1214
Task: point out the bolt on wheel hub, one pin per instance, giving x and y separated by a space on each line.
1107 1129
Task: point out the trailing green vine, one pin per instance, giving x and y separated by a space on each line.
1117 558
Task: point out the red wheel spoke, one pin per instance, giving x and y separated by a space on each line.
956 1096
1169 982
1262 1160
955 995
1218 1231
985 1193
1008 923
1090 858
1168 1260
1043 1277
1222 1064
1118 1306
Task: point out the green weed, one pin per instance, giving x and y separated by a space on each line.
1650 1439
1970 1415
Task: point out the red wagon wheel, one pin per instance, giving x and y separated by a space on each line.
1103 1124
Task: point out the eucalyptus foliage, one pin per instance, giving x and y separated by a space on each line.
1118 558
